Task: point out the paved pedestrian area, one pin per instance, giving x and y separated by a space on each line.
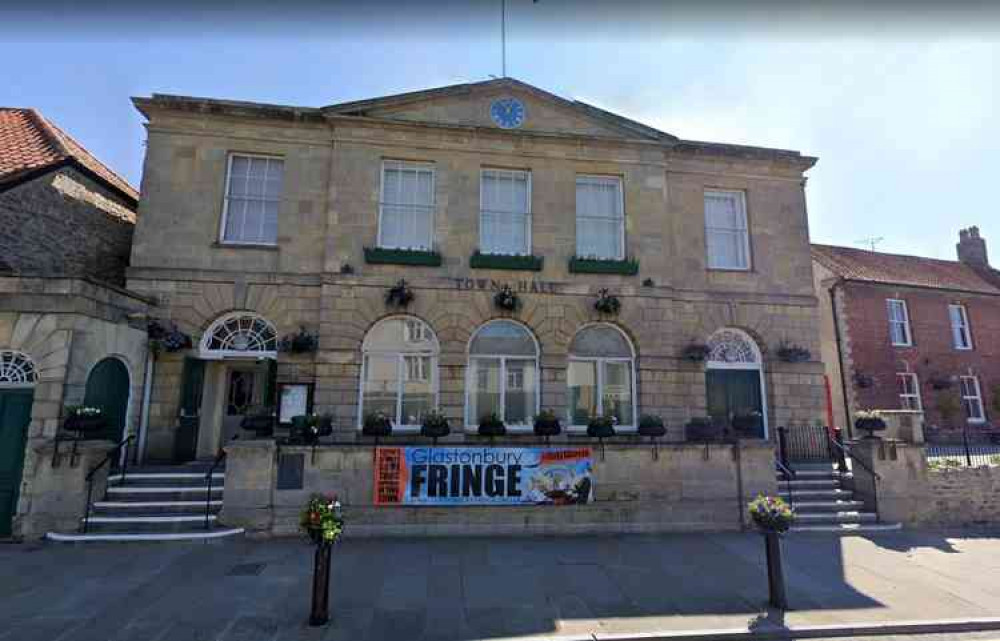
488 588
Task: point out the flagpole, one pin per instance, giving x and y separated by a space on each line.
503 38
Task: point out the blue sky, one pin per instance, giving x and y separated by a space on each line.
902 119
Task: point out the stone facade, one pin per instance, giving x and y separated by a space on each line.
315 276
687 488
64 223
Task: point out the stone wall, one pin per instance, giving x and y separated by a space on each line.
65 224
688 488
963 497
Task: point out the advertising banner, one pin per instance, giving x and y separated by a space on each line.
483 476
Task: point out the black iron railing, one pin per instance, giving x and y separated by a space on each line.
788 475
843 452
978 449
115 454
219 458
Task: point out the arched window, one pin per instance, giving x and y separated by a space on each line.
601 376
16 369
399 371
240 334
502 375
734 383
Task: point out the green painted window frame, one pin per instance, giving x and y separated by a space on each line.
505 261
626 266
415 257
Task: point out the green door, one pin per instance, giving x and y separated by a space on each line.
15 414
735 400
108 389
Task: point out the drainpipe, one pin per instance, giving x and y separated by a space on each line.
840 359
147 388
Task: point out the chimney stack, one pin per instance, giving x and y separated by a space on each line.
971 248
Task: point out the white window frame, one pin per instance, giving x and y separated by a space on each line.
915 396
905 323
418 166
745 230
621 222
599 364
978 397
527 213
402 375
225 200
961 329
472 422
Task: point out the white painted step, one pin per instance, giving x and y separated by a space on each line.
128 505
179 518
155 489
827 506
847 528
145 536
799 495
836 517
164 475
810 483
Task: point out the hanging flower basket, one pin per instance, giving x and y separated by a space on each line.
399 295
322 520
607 303
377 424
506 299
652 426
869 421
771 514
794 354
260 420
491 425
601 426
164 339
435 425
301 342
695 352
84 419
941 383
547 424
864 381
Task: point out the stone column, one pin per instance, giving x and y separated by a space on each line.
248 499
901 487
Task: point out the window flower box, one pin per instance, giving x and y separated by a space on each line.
505 261
583 265
412 257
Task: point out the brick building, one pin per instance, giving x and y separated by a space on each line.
66 338
905 332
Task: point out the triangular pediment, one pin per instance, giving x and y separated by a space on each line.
474 105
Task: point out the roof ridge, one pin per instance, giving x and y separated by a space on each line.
70 152
892 254
46 129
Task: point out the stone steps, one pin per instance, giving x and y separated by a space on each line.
821 503
155 504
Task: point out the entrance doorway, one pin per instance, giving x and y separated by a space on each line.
108 389
245 394
734 383
15 415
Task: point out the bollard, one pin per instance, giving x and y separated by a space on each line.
775 573
320 613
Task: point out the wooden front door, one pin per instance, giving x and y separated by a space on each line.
15 415
735 400
108 389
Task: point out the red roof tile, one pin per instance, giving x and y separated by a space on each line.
29 142
896 269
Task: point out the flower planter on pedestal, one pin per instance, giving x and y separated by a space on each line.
775 571
870 425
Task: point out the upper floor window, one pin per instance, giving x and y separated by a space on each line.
727 240
909 391
505 212
960 336
600 217
253 194
899 322
406 206
972 399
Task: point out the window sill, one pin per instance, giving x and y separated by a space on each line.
902 344
581 430
506 261
412 257
625 266
731 270
473 430
230 245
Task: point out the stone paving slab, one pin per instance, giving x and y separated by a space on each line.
462 589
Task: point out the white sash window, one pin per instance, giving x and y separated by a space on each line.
727 240
960 336
899 323
406 206
253 195
972 399
505 212
909 391
600 218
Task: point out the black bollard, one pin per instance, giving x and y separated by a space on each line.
775 573
320 614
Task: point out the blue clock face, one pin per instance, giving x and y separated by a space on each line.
507 112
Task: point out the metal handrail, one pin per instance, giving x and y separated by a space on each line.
789 475
90 475
846 451
219 458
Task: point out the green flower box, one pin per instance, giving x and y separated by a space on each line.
419 257
626 267
499 261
